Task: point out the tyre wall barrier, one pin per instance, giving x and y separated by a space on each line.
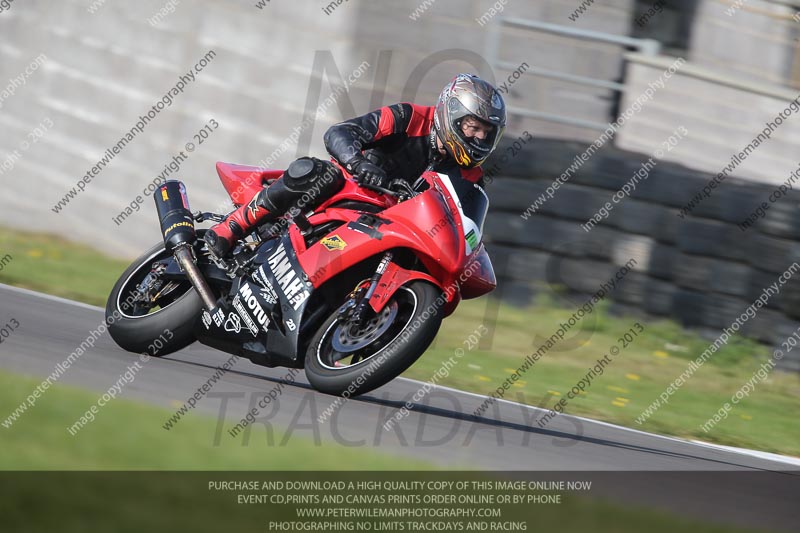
702 270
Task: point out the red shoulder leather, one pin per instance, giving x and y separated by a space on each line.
385 124
421 120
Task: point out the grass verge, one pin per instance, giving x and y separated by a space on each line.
127 435
52 265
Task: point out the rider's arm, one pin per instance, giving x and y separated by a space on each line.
345 141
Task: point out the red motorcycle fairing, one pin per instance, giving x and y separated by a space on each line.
441 248
481 279
393 278
353 192
242 182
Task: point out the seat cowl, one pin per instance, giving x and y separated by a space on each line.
242 182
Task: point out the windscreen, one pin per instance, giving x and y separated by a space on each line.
473 204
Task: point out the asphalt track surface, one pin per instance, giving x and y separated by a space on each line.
731 486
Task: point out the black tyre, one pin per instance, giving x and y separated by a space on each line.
167 318
347 361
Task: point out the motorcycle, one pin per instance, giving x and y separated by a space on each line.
354 291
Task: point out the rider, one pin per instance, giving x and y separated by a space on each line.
398 141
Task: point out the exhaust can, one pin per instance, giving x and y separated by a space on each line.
177 223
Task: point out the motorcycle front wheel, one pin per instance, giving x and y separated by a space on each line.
345 359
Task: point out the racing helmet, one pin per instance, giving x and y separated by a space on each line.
468 95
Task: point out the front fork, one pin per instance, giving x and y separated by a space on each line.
360 312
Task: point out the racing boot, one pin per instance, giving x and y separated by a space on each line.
221 237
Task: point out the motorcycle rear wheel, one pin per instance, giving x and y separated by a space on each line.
168 319
395 339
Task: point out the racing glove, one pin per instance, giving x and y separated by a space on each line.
367 173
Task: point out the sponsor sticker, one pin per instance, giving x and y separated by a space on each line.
178 225
291 283
237 304
472 239
334 242
253 304
270 297
219 317
267 290
234 323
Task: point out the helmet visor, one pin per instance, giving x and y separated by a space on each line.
478 149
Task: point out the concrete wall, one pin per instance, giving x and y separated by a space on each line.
455 27
757 42
742 70
106 68
722 113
